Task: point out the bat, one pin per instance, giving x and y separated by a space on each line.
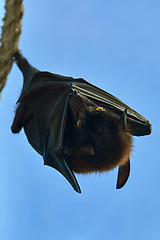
76 126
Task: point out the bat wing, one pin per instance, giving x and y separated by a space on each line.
123 174
137 124
49 103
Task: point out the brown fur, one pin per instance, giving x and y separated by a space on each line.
102 130
107 160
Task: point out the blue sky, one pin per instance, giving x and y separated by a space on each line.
116 46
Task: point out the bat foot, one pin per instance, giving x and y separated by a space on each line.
15 128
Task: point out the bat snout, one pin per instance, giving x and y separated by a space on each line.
84 150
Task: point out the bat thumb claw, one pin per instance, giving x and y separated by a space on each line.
123 120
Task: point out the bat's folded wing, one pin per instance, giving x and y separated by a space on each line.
137 124
123 174
54 156
49 102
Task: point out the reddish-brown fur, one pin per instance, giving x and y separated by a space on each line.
82 164
111 143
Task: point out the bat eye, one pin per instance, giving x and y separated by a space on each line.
99 109
79 123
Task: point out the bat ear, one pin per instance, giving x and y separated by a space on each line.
84 150
123 174
123 120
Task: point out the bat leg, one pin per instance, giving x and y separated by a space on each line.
27 70
123 174
22 115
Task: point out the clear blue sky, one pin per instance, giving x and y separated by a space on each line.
116 46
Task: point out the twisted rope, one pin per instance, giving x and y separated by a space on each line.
11 31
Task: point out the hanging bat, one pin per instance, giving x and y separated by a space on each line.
74 125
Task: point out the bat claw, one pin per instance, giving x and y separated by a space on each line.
123 120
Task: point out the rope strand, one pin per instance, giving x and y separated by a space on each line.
11 31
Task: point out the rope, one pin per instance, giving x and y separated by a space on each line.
11 31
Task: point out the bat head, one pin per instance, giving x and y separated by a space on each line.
102 141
